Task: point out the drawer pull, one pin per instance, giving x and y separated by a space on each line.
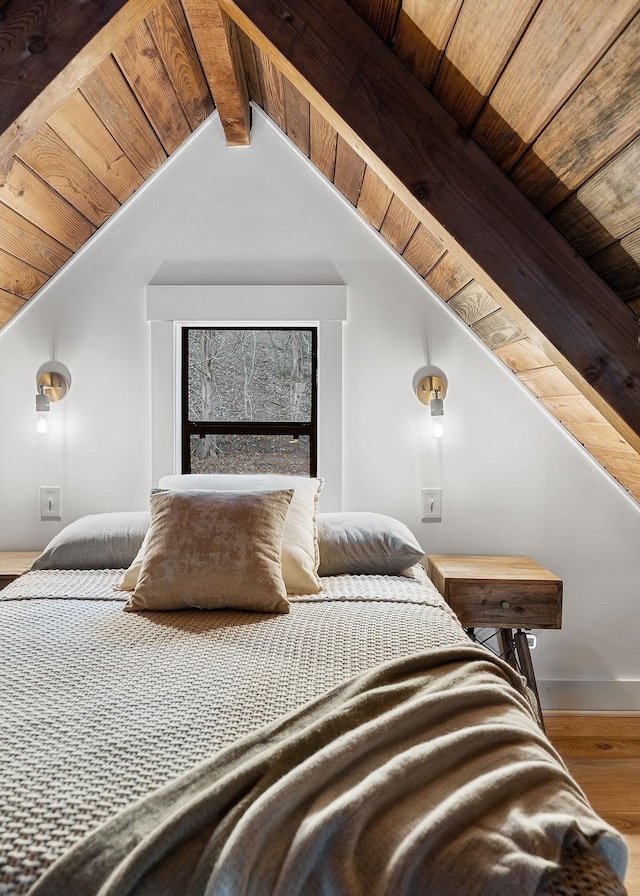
505 604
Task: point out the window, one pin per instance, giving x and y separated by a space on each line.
172 307
249 400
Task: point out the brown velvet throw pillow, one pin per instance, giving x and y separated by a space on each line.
214 550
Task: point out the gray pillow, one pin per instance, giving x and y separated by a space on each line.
361 543
96 541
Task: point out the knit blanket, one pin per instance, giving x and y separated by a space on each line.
99 708
427 774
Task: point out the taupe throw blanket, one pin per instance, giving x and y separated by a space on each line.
427 775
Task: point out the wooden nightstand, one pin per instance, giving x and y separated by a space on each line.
14 564
508 594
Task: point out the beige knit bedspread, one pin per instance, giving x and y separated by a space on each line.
426 775
99 707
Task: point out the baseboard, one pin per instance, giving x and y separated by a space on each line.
590 696
592 713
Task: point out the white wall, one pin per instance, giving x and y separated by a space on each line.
513 481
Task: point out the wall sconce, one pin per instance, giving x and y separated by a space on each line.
430 385
53 382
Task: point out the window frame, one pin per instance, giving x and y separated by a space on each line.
190 428
172 305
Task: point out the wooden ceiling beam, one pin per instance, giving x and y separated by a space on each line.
58 84
216 40
374 102
38 39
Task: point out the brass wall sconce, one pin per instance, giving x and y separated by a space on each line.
430 386
53 382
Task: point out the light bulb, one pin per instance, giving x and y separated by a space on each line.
437 417
42 425
437 427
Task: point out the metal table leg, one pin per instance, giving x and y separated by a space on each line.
526 667
507 647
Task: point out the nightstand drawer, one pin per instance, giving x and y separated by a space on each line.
483 604
498 592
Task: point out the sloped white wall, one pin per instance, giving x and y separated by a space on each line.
513 481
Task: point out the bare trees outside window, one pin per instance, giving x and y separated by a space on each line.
249 400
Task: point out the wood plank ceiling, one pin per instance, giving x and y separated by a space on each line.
549 89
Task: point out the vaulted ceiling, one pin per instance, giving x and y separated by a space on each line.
493 143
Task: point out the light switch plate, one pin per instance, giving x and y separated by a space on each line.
431 504
50 502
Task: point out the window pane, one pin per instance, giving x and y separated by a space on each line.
250 454
263 376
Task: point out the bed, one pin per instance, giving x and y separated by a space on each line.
344 736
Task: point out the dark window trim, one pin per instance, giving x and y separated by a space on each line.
190 428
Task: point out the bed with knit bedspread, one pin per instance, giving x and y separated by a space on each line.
102 710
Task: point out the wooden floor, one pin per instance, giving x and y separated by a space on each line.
603 754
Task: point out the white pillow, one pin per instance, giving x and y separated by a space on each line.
300 554
129 580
